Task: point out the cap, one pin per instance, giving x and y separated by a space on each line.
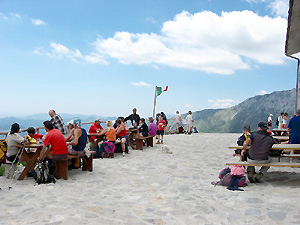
263 125
97 119
247 127
70 122
77 121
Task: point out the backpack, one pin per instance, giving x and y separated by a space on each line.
225 178
109 147
3 150
181 130
42 174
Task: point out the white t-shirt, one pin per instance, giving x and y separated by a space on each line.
269 119
177 118
189 119
280 119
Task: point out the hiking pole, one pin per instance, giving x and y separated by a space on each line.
18 154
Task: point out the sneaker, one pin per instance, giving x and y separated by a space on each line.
128 151
251 177
258 177
123 154
157 142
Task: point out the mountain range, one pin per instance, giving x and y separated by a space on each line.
229 120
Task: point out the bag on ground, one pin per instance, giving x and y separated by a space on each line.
225 177
42 174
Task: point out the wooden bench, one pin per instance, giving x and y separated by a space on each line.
291 156
139 142
277 164
62 165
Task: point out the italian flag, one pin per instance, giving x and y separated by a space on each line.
160 90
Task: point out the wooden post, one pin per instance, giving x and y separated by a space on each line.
154 102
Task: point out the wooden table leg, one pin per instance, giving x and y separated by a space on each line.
130 140
31 161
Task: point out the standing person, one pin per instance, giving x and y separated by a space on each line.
261 143
134 118
13 138
161 124
285 120
189 121
58 122
280 120
270 121
56 144
294 130
122 134
177 119
152 127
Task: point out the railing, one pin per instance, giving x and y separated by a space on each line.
38 128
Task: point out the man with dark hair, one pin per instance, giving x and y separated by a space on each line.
58 122
261 143
134 118
56 144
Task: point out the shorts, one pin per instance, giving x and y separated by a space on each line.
127 138
58 157
283 126
269 124
160 132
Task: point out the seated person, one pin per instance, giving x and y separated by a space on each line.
80 138
32 136
71 131
246 134
143 129
260 145
110 135
122 134
95 128
115 124
13 138
54 142
152 127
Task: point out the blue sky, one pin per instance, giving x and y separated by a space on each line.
106 57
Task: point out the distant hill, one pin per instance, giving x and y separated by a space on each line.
249 112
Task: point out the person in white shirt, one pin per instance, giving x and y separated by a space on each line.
189 121
270 121
280 120
177 119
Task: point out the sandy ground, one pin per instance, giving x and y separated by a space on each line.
149 187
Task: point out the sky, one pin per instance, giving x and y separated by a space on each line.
105 57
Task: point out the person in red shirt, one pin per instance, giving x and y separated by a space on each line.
32 134
122 134
95 128
161 124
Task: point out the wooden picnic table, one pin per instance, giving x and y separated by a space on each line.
280 132
287 147
131 132
282 138
99 137
29 157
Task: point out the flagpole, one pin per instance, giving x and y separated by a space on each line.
154 102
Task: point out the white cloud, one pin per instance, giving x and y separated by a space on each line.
16 15
151 20
2 16
188 105
37 22
203 41
280 7
262 92
141 83
222 103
